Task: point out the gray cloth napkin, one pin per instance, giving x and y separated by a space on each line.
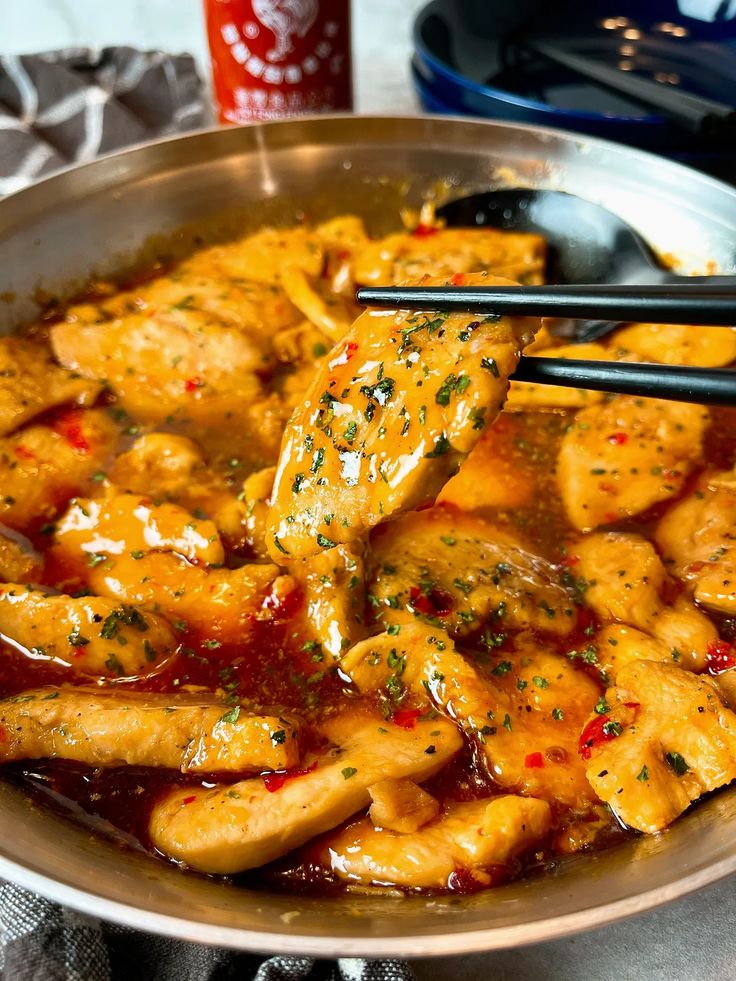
42 941
58 108
63 107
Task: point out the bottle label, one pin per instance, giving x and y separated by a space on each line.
274 58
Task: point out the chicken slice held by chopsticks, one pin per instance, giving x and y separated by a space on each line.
388 419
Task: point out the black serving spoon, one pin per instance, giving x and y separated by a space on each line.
587 244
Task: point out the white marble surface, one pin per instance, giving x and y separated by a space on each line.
690 940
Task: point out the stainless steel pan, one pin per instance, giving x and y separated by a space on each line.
93 219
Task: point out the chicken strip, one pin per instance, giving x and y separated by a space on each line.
230 829
491 476
703 347
469 837
665 740
19 562
450 251
621 457
129 523
697 537
455 569
43 466
401 805
190 733
220 604
387 420
334 596
173 468
626 582
92 635
263 256
178 364
515 719
30 383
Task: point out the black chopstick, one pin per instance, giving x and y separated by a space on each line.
705 386
694 112
668 304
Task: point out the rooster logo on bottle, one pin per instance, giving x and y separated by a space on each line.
285 18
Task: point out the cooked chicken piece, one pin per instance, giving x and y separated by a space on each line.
196 284
43 466
527 395
386 421
697 536
323 311
617 645
342 238
445 566
449 251
230 829
666 740
490 477
726 683
219 604
471 837
705 347
334 595
19 562
401 805
135 525
516 720
627 582
624 455
181 364
95 636
191 733
31 383
172 468
332 581
257 489
263 256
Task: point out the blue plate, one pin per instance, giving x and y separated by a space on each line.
458 65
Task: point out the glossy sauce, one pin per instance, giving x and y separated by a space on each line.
274 669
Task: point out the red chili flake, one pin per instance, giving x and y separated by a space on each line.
24 454
618 439
189 800
343 254
79 651
423 231
696 566
350 349
433 603
192 384
69 425
721 656
533 761
406 718
458 279
570 560
632 705
277 778
609 517
593 735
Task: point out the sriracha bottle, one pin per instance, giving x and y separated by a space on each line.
275 58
